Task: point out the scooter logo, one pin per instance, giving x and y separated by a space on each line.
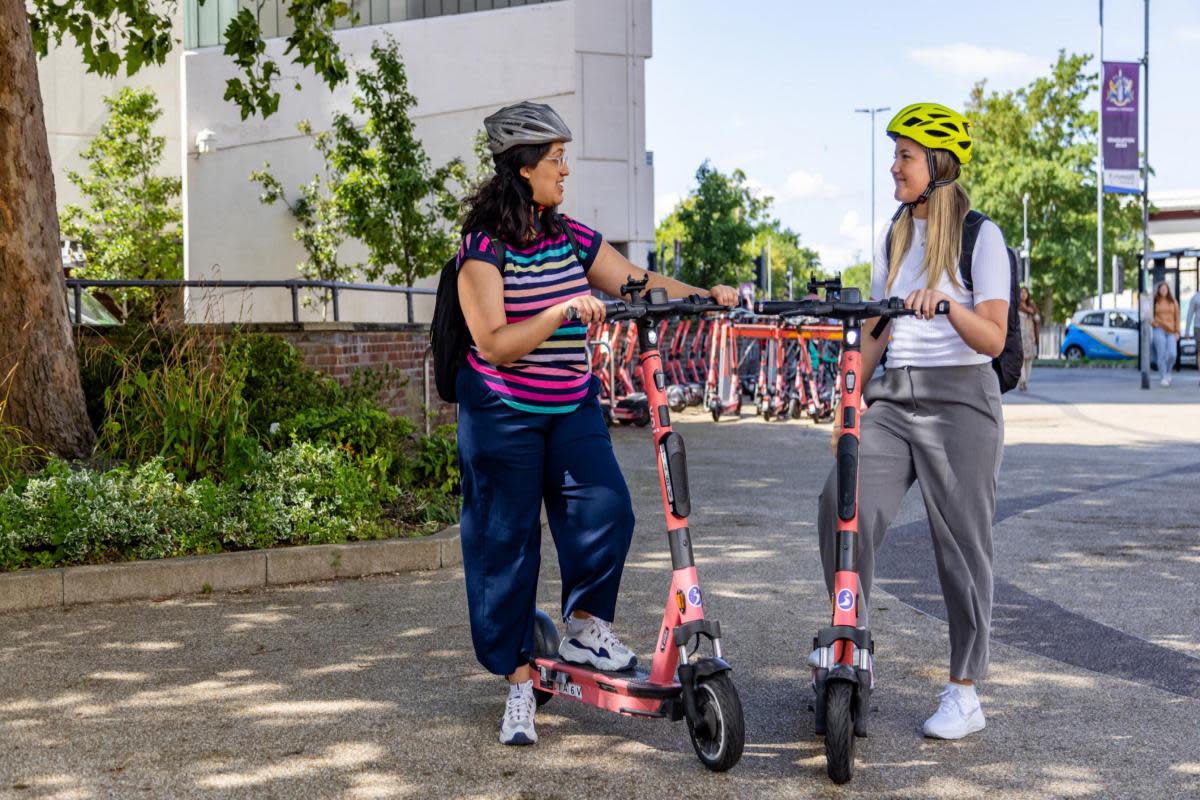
693 596
845 599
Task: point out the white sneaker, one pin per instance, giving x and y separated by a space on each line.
1165 382
591 641
517 725
958 714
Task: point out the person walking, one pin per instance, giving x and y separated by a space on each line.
1165 330
530 428
934 416
1031 332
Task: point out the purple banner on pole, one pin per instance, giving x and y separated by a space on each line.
1119 95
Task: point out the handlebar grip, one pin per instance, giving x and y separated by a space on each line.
572 313
943 307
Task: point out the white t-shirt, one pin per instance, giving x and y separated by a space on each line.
934 342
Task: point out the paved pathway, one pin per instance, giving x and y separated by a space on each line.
367 689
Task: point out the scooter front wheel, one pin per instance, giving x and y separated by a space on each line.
719 741
839 731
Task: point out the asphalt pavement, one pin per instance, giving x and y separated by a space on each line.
369 689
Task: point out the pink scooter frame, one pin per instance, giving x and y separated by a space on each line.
674 686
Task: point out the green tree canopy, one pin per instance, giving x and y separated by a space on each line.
718 219
131 227
1041 139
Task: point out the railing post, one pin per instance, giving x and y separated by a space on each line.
295 303
409 302
337 316
425 388
78 304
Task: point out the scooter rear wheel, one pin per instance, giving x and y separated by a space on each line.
720 745
839 731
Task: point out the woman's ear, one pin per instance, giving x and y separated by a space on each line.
525 172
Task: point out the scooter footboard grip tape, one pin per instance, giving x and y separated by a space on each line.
677 477
847 466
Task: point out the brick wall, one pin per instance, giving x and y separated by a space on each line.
340 349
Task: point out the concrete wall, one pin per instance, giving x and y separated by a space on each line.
584 57
588 64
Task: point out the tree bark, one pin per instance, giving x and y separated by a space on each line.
45 396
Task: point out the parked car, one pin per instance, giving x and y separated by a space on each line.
1105 334
1112 334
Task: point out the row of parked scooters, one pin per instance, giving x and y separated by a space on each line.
786 368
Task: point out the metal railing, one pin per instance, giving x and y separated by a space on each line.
77 285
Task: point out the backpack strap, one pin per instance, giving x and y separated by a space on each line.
570 237
971 227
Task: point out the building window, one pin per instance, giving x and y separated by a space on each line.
204 25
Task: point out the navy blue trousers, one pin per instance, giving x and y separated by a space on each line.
512 461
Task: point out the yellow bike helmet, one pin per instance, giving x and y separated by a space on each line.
934 127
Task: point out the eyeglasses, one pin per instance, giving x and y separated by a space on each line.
561 161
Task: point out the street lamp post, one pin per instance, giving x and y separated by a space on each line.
872 112
1025 237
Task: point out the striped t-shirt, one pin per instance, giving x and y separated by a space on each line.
553 378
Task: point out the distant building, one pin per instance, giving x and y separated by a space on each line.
465 58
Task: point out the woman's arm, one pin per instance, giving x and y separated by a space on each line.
610 270
481 295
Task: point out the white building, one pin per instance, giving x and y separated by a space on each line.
464 58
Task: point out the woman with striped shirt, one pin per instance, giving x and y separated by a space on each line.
530 430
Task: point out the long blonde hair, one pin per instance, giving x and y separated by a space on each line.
948 207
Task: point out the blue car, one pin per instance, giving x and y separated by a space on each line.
1108 334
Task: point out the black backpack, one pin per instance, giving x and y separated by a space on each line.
448 334
1008 364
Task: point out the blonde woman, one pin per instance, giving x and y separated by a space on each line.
934 418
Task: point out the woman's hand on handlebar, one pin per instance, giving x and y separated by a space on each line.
925 302
724 295
585 308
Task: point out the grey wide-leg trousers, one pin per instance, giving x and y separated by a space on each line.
943 428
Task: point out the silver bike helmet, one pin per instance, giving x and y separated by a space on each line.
524 123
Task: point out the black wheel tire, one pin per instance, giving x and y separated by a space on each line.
795 410
716 413
643 420
721 747
625 422
1074 353
545 645
839 731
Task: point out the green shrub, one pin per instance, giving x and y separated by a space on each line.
364 431
278 384
189 410
438 459
303 494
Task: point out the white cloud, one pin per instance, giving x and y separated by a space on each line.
855 230
802 185
974 62
664 204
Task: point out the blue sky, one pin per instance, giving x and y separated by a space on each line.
771 87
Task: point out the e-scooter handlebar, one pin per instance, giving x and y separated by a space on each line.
887 309
690 306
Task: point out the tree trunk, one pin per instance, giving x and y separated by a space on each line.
45 397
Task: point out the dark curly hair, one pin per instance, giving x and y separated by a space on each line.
504 206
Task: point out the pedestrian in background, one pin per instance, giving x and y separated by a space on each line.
1031 332
1166 330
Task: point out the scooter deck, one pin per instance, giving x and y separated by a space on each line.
633 682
